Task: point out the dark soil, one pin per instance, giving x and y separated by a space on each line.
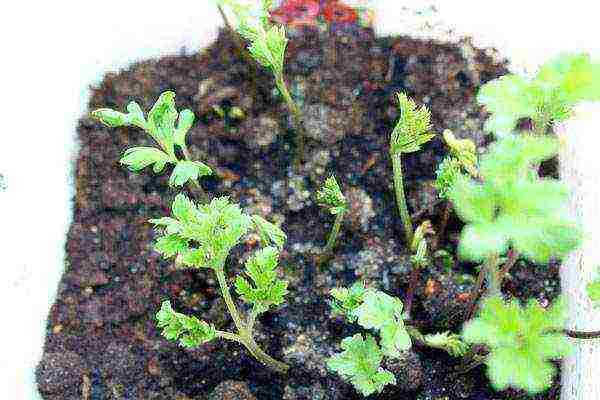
102 341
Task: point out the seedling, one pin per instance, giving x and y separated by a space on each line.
419 260
267 45
201 236
412 130
331 196
546 98
161 126
521 341
360 362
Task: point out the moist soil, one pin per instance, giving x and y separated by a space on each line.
102 342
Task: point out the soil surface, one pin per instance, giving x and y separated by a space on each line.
102 342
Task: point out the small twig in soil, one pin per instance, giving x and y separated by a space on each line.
475 293
513 256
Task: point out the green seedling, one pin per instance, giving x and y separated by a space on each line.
521 341
201 236
267 45
168 128
419 260
545 98
412 130
331 196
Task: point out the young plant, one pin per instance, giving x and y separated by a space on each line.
419 260
521 341
267 45
546 98
201 236
412 130
168 128
360 362
331 196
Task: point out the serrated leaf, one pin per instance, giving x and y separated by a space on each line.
413 128
519 335
269 233
170 245
186 171
449 342
360 364
331 196
347 300
186 120
266 289
383 312
189 331
138 158
446 175
161 121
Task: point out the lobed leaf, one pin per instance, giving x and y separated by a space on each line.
413 128
138 158
347 300
189 331
188 171
269 233
331 196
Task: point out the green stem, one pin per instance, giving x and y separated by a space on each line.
195 186
401 198
233 311
297 117
264 358
335 230
252 320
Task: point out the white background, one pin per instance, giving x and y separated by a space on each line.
52 51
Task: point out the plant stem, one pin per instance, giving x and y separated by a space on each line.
475 292
195 186
401 198
513 256
233 311
296 116
335 230
264 358
252 320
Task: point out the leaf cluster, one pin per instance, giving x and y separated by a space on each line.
266 288
168 128
546 98
360 362
521 340
462 159
513 206
189 331
413 128
331 196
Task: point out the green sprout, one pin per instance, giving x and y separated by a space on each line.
267 45
521 341
546 98
331 196
412 130
201 236
593 291
168 128
419 260
347 300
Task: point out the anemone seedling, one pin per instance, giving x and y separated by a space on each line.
545 98
168 128
522 341
331 196
412 130
201 236
361 358
267 45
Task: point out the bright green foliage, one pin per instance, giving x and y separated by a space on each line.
419 244
521 341
267 42
445 176
463 150
201 235
269 233
332 197
593 291
513 206
546 98
383 313
186 171
449 342
168 128
413 128
268 290
346 301
360 363
190 331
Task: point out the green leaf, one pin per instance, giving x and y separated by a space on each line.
138 158
413 128
114 119
573 75
189 331
383 312
186 120
482 240
518 335
593 291
170 245
186 171
446 175
161 121
473 202
360 364
269 233
267 289
346 300
331 196
449 342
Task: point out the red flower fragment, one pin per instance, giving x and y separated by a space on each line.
296 12
338 13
